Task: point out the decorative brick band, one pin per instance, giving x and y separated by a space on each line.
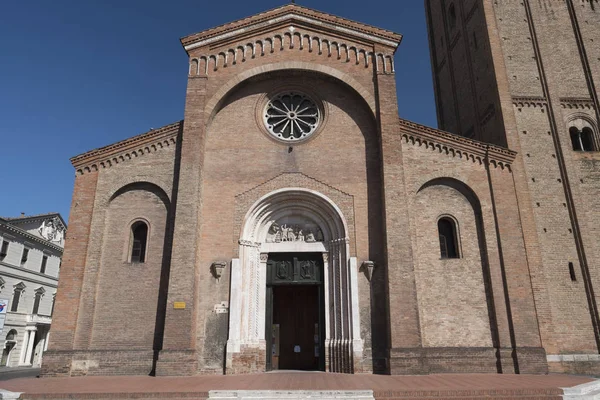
455 145
136 146
529 101
287 40
577 103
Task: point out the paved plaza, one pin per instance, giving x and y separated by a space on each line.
472 386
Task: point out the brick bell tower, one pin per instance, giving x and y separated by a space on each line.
524 75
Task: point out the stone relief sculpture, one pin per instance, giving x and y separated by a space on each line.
294 231
50 230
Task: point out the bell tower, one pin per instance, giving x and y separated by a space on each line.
524 75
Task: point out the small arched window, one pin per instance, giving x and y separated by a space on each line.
448 238
11 336
452 16
139 234
582 140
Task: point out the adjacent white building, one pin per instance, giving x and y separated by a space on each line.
31 248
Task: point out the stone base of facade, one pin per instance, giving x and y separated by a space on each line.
97 362
338 359
249 360
436 360
531 360
177 363
580 364
363 362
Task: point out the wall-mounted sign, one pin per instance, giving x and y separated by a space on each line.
221 308
3 308
179 305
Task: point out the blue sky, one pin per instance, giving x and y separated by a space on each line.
76 75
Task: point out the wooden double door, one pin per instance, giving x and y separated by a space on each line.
295 312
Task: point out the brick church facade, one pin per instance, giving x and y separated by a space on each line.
293 221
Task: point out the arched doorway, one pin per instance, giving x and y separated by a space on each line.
294 258
9 345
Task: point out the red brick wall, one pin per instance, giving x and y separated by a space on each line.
539 73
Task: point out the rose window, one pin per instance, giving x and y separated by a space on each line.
291 116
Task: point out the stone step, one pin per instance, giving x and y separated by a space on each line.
515 394
116 396
499 394
290 394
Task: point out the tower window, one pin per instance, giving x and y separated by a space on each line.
448 238
572 272
139 233
452 16
582 140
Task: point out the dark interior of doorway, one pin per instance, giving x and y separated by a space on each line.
295 317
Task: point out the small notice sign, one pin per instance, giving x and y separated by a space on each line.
296 349
179 305
3 308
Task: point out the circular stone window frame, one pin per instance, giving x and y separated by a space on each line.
261 109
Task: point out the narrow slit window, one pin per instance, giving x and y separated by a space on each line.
452 16
448 238
572 272
139 231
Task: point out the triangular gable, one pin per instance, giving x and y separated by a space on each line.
292 13
24 219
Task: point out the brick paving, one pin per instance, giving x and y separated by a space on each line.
384 387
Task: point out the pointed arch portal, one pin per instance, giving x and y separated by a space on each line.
307 224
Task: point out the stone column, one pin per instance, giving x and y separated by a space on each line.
326 305
24 344
235 311
29 351
357 342
262 298
42 348
47 340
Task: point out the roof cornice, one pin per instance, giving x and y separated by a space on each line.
460 146
291 12
136 146
32 218
29 236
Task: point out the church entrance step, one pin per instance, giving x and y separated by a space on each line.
290 395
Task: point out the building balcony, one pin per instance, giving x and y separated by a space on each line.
38 319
